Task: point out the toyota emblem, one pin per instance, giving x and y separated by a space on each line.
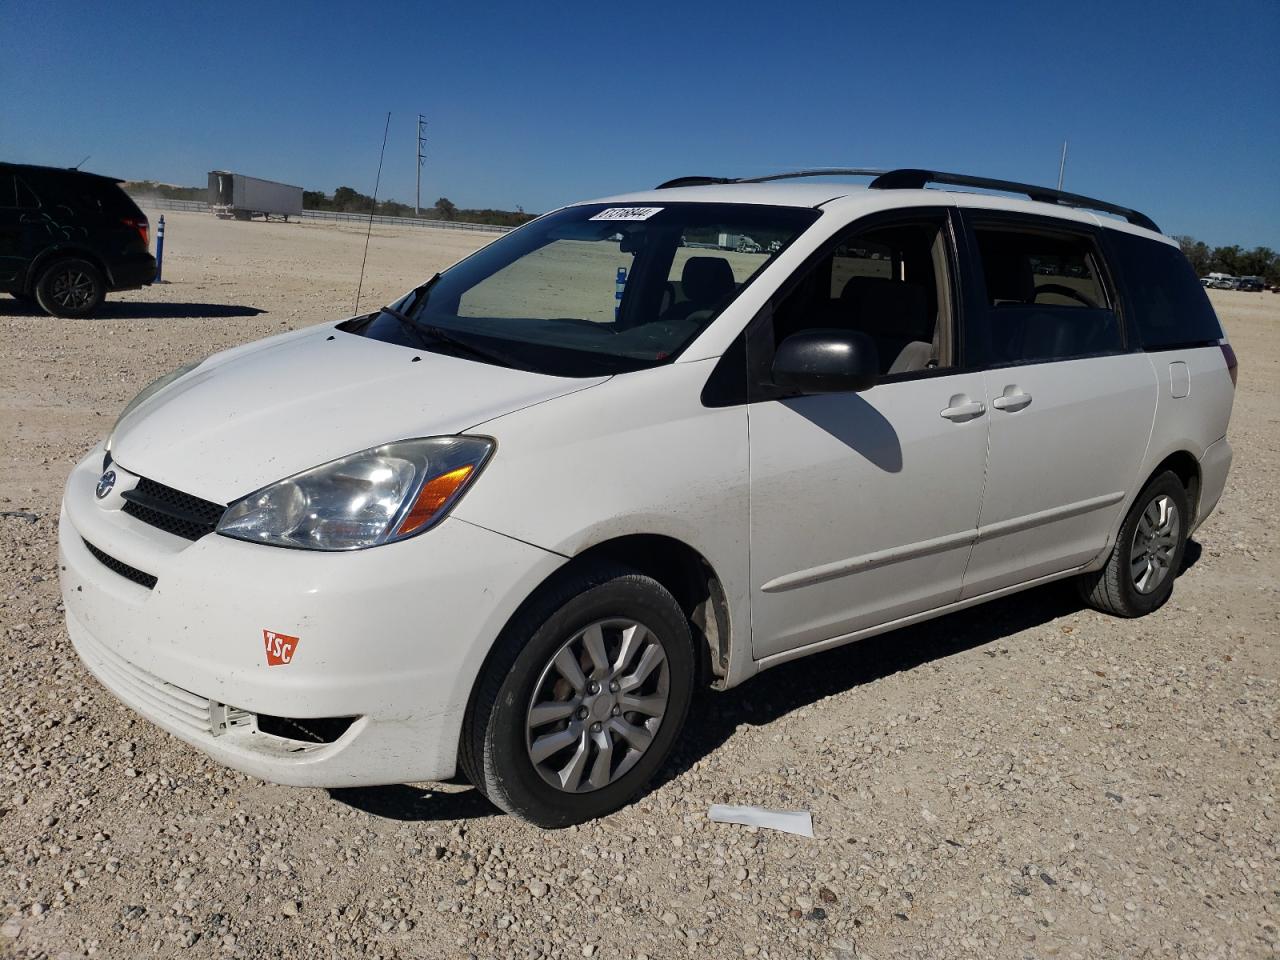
106 483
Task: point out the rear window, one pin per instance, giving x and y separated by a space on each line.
1169 306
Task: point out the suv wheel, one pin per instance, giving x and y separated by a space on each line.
1139 574
71 288
582 699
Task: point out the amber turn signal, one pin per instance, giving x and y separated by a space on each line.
434 495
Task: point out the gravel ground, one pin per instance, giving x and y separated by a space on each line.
1026 779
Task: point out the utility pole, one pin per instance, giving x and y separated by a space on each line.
1062 164
422 158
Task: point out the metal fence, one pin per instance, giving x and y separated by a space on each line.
334 216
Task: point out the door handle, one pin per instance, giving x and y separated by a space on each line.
961 408
1012 400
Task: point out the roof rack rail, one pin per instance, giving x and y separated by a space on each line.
693 182
917 179
819 172
911 179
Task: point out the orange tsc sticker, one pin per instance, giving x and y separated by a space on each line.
280 647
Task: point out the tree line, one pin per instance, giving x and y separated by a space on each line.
350 200
1235 260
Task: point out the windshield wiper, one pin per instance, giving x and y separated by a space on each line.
430 336
420 294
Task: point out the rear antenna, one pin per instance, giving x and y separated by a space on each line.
81 163
372 210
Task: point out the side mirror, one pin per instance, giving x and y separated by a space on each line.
826 361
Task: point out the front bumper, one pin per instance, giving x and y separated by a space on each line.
394 636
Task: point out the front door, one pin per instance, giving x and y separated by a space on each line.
1071 405
864 506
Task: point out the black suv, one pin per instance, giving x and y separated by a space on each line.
67 237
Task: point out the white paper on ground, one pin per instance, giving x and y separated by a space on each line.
788 821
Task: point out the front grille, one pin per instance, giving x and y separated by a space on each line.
122 568
182 708
172 510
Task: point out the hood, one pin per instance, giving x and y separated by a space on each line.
260 413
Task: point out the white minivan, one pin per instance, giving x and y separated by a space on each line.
511 523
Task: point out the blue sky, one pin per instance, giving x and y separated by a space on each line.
1169 107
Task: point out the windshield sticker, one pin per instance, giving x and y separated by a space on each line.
627 213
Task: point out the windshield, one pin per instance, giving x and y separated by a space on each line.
594 289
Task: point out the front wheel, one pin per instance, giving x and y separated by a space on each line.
1139 574
582 699
71 288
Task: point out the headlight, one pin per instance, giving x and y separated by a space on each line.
372 497
149 391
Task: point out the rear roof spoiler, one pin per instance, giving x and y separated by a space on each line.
912 179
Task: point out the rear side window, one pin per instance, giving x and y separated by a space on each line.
1168 303
1045 298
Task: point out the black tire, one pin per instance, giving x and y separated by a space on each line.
495 752
1113 589
71 288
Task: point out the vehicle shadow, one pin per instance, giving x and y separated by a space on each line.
781 690
405 802
140 310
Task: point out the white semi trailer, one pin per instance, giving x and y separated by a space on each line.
235 195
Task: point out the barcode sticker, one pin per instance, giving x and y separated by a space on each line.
627 213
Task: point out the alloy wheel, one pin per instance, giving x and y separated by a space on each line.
1155 542
72 289
597 705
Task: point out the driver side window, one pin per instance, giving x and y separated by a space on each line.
1045 299
891 282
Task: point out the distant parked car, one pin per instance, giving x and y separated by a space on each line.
68 237
1251 284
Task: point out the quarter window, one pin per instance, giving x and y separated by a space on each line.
1045 298
1169 305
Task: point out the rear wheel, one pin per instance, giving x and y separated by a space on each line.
1139 574
70 288
582 699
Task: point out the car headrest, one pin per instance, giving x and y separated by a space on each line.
707 279
888 308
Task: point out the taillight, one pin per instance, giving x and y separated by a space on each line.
1232 364
143 228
